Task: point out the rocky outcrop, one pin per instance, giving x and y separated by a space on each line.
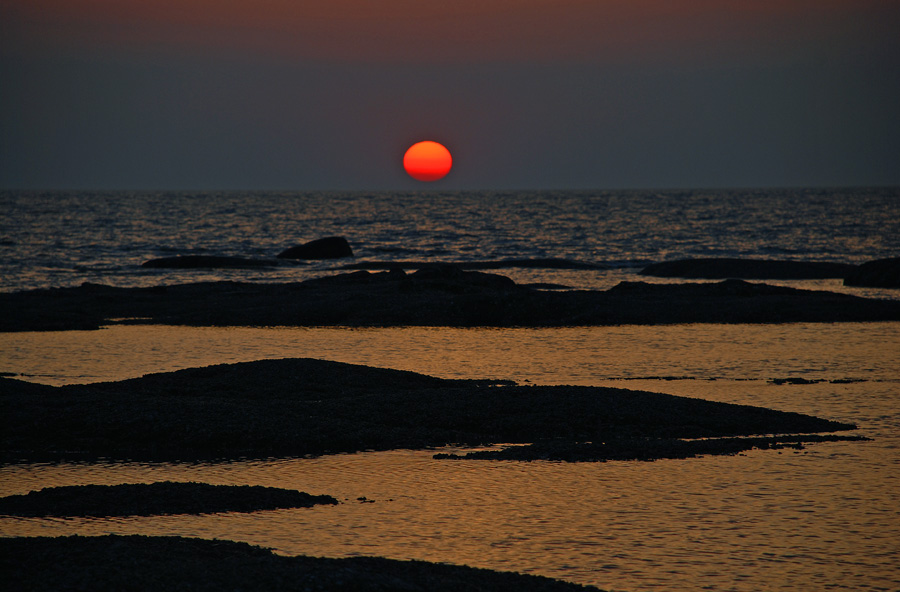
321 407
330 247
880 273
430 297
206 261
724 268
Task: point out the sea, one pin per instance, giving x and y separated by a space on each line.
826 517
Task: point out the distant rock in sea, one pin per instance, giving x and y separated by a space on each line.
759 269
330 247
880 273
207 261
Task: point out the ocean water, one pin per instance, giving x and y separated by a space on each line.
63 239
823 518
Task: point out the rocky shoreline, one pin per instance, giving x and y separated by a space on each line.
437 295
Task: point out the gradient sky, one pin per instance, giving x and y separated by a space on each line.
295 95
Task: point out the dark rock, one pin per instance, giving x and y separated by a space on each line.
880 273
149 564
331 247
794 380
432 296
319 407
147 499
210 261
721 268
451 277
645 449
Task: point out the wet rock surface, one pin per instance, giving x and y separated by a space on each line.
297 407
141 563
432 296
147 499
722 268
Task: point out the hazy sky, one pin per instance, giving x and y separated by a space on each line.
295 94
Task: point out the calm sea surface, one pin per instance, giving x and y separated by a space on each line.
823 518
64 239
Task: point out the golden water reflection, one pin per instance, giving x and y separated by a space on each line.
568 355
820 518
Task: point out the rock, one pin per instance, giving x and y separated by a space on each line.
880 273
147 564
312 407
721 268
210 261
447 276
148 499
330 247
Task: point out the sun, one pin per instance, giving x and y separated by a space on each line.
427 161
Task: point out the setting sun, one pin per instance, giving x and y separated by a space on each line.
427 161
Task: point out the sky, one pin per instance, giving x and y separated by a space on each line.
526 94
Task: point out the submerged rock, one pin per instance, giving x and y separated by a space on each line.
330 247
880 273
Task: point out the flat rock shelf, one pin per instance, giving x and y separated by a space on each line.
301 406
147 499
438 295
141 563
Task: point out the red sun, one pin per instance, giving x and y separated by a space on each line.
427 161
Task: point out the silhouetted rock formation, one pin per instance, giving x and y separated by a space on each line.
722 268
880 273
151 564
435 296
319 407
331 247
208 261
147 499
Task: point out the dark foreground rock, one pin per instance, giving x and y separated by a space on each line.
147 499
330 247
881 273
759 269
151 564
296 407
432 296
207 261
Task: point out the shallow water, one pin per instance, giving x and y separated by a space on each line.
823 518
566 355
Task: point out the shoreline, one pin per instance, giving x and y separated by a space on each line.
437 295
